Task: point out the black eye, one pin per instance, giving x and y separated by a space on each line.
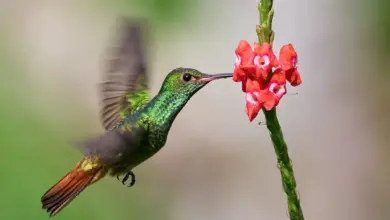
186 77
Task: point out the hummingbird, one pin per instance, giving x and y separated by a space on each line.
136 125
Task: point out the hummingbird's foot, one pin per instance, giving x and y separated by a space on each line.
126 177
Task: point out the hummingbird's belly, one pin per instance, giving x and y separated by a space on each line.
134 159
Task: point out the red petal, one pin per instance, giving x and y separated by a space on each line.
264 74
267 99
262 71
266 50
276 89
238 75
264 60
243 47
249 69
263 49
243 86
282 90
270 104
293 77
253 86
253 106
244 61
288 58
265 95
279 76
244 51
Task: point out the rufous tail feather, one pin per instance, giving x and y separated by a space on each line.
67 189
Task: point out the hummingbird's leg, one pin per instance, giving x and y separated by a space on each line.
132 178
126 177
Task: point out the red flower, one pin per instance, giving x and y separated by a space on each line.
288 60
271 96
253 105
264 60
252 68
252 89
244 62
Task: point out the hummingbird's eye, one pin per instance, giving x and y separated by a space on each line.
186 77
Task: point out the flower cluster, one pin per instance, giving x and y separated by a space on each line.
263 75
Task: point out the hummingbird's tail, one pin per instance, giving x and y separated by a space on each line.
68 188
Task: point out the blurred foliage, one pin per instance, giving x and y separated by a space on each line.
381 11
163 13
374 23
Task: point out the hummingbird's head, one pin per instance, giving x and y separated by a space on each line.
186 81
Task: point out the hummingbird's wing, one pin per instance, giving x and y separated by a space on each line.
124 88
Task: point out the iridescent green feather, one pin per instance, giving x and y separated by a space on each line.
136 100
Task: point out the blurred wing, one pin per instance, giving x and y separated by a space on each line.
124 88
113 146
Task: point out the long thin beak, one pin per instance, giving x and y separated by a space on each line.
209 78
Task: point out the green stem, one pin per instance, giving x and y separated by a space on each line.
265 34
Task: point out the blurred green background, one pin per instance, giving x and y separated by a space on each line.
216 165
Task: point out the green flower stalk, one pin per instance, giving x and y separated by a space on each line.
264 78
265 34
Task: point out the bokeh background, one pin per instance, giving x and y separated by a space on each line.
216 165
